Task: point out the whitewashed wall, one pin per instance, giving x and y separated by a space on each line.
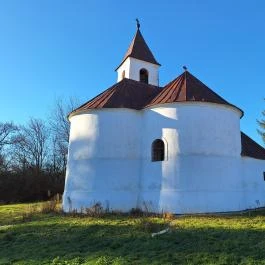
253 183
124 67
132 68
202 158
110 160
103 163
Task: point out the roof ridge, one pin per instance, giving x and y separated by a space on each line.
163 94
185 83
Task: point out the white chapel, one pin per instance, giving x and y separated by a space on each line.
175 148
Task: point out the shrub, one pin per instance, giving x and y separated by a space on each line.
52 206
168 216
95 211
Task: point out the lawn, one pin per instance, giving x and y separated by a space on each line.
31 237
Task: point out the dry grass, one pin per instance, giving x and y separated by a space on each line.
52 206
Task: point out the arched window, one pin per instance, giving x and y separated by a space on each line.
123 74
144 76
158 150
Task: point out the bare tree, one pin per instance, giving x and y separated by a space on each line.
32 144
261 124
3 163
59 121
7 134
60 128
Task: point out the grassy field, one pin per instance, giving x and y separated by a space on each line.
30 237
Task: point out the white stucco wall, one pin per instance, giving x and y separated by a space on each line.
132 68
110 160
125 66
194 128
103 162
202 158
253 181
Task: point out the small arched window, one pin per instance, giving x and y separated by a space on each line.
123 74
158 150
144 76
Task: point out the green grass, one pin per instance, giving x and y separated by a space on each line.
39 238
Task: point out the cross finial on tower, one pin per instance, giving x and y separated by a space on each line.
185 68
137 23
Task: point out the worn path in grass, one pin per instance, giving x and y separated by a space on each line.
56 239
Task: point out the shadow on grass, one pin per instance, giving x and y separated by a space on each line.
40 242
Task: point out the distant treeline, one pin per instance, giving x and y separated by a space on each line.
33 156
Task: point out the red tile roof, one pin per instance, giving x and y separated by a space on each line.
138 49
124 94
250 148
187 87
138 95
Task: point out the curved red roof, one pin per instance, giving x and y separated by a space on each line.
137 95
187 87
124 94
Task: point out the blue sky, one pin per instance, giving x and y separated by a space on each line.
52 49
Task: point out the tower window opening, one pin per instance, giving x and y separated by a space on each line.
123 74
158 150
144 76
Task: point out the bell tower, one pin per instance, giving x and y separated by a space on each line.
139 63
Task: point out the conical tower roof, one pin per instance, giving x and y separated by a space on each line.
138 49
